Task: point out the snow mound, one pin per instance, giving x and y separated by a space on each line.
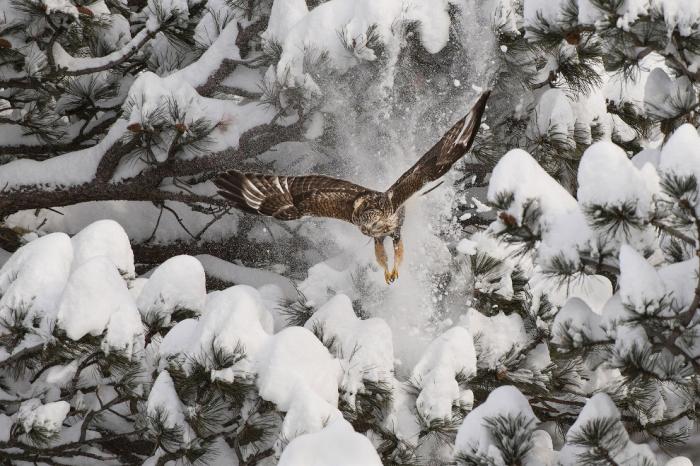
96 298
449 359
530 191
297 373
295 360
680 156
163 402
347 29
497 335
104 238
607 177
178 284
474 436
32 279
576 321
640 284
601 406
234 320
337 444
34 415
365 346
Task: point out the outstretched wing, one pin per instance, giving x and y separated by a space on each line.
290 197
440 158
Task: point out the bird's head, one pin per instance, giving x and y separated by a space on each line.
372 213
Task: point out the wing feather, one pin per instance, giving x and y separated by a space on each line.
440 158
290 197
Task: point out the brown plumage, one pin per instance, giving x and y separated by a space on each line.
377 214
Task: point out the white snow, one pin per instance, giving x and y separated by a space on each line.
60 6
293 361
449 356
364 346
163 401
607 177
104 238
497 335
473 435
177 284
680 156
563 227
601 406
33 278
577 321
284 14
233 319
96 297
337 444
241 275
640 284
61 375
32 414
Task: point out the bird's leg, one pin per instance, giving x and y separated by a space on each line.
398 257
398 245
380 254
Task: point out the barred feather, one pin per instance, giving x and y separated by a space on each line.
289 197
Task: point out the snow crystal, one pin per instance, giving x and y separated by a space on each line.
307 413
467 247
72 168
450 357
474 436
337 444
34 415
104 238
177 284
497 335
34 277
594 290
542 452
94 295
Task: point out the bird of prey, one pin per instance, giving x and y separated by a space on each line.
377 214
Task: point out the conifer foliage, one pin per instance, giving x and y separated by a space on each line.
547 309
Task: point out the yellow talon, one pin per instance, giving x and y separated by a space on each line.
394 274
388 277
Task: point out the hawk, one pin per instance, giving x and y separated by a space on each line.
377 214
